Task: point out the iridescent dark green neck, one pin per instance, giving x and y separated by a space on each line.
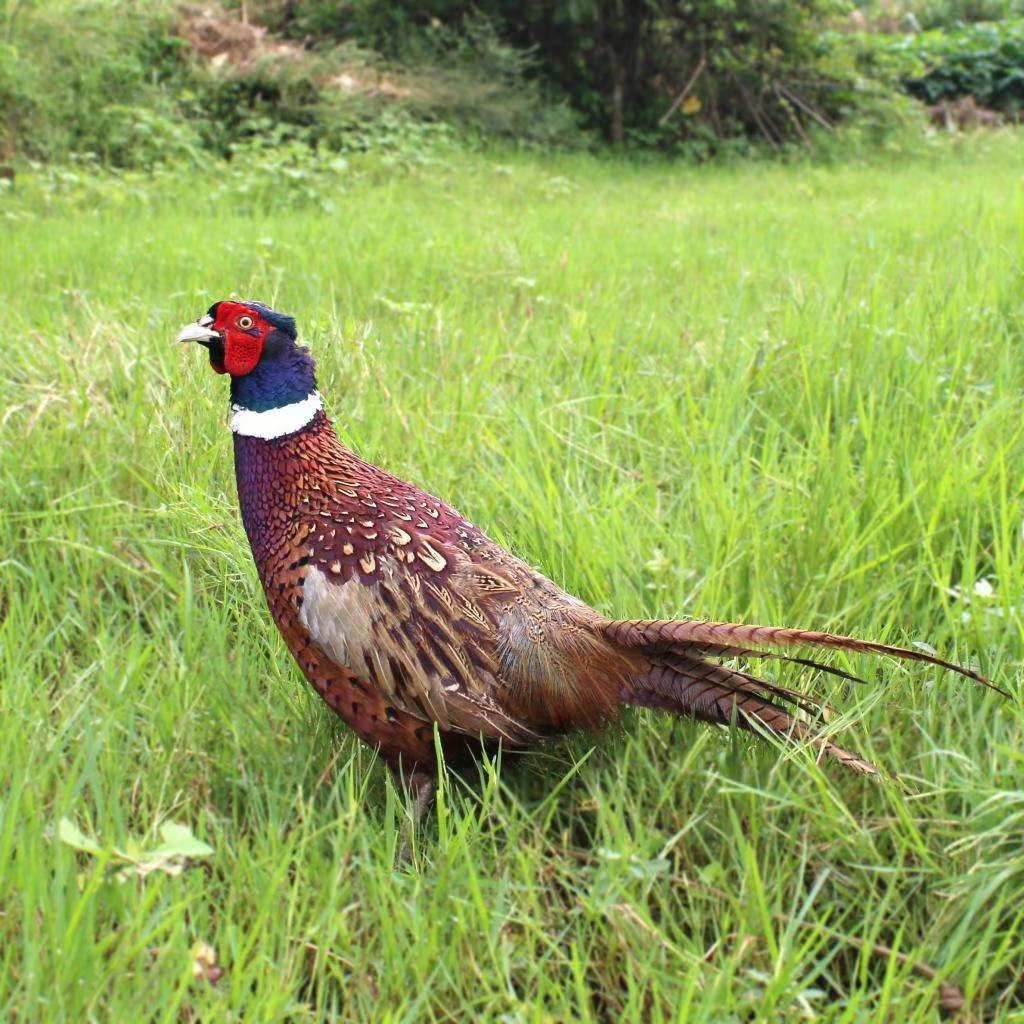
284 375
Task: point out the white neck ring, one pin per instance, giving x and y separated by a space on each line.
273 423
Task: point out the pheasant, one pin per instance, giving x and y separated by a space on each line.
404 616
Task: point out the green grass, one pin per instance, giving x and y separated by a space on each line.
765 393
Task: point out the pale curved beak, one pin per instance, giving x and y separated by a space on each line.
200 331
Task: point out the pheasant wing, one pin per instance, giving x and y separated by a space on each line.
461 633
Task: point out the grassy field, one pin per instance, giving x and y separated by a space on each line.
778 394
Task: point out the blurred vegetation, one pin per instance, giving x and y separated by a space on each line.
947 14
985 61
696 75
131 85
81 79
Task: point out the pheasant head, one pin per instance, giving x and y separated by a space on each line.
272 377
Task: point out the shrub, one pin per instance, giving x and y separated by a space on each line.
113 79
265 101
985 61
53 107
762 69
469 76
950 14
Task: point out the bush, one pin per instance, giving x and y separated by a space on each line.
264 101
469 76
120 87
763 70
985 61
112 80
51 108
531 68
768 74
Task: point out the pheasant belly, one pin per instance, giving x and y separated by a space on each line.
406 742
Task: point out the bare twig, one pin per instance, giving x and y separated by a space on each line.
759 119
681 98
797 100
793 119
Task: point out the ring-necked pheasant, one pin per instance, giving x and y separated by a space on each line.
403 614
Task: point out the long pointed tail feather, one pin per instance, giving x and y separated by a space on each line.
734 639
683 675
723 695
813 707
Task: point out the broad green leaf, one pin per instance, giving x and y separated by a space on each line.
180 841
68 832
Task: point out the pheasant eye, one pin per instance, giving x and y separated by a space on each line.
245 322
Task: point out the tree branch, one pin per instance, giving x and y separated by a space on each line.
681 98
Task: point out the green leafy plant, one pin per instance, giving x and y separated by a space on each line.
985 61
178 849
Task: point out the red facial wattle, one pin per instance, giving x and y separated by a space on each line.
242 351
242 333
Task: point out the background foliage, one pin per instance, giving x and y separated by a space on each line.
758 69
122 84
985 61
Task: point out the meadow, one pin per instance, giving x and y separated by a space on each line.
767 393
